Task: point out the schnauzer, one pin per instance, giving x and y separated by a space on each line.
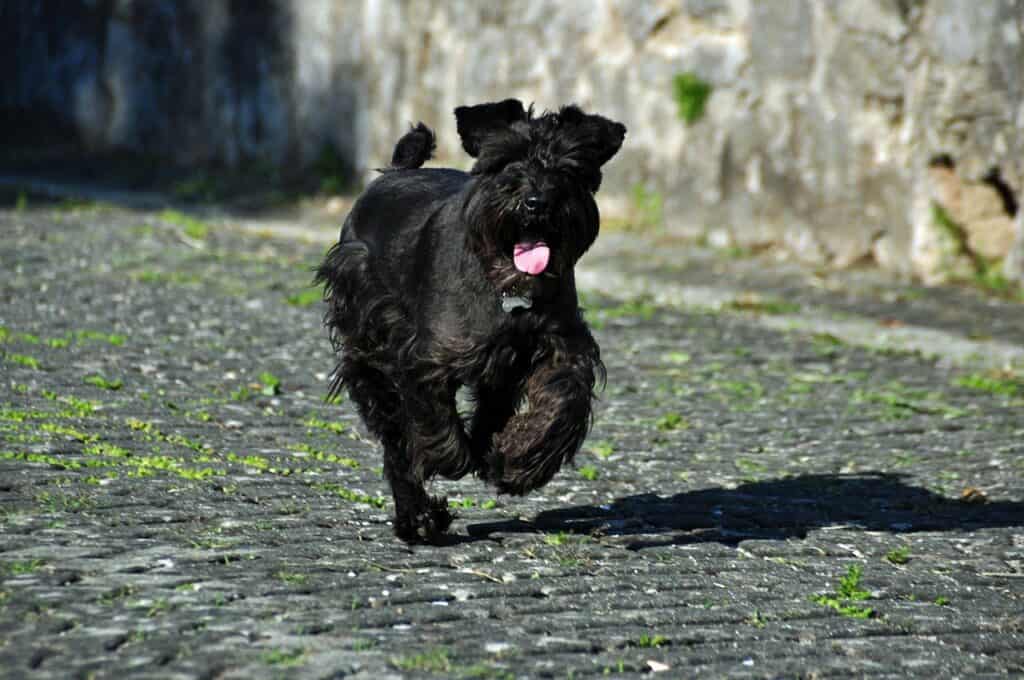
443 279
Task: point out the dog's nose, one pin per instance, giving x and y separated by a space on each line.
535 203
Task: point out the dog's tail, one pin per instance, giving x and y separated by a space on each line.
414 149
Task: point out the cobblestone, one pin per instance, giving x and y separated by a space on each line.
178 501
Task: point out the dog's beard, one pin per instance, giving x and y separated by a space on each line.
499 228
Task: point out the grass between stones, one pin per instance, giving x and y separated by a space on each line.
848 593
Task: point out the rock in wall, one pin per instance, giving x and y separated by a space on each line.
888 130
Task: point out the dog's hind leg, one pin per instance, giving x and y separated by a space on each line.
534 445
418 516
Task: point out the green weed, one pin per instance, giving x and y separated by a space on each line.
323 456
286 658
899 555
671 422
26 567
433 661
291 578
191 227
1003 384
351 495
757 619
305 298
67 431
243 393
691 94
22 360
270 384
647 641
848 592
602 449
336 428
103 383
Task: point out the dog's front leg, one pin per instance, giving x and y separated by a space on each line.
535 444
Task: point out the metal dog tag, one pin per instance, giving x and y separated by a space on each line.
511 302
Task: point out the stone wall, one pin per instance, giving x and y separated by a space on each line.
884 130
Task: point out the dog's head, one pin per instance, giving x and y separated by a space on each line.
531 209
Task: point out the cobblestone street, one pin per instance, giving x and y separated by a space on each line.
791 474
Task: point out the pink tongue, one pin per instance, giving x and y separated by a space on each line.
531 257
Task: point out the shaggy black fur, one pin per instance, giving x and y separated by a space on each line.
417 291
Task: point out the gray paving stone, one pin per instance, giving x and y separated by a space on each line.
196 523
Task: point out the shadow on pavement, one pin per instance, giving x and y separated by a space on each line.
774 509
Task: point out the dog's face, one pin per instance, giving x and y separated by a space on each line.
531 209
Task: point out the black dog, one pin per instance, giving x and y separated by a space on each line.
443 279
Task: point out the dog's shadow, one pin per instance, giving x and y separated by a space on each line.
771 509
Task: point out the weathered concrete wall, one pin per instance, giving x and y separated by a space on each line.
833 127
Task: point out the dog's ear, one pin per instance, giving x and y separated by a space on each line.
601 137
476 122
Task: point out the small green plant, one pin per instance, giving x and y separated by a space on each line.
243 393
750 467
27 567
691 94
305 298
602 449
988 274
21 203
158 607
899 555
190 226
677 358
323 456
291 578
588 472
23 360
336 428
670 422
270 384
561 538
109 338
757 619
103 383
284 657
848 592
849 585
646 641
1004 384
352 496
942 601
67 431
433 661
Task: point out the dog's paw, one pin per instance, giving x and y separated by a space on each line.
428 525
